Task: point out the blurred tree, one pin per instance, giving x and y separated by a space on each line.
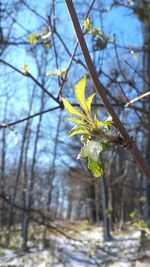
40 62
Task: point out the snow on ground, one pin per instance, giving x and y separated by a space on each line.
84 249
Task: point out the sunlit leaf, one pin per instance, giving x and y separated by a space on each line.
94 149
79 122
71 110
78 130
54 73
79 93
63 72
84 139
83 153
109 122
88 25
89 102
25 69
57 73
33 38
95 167
91 149
97 122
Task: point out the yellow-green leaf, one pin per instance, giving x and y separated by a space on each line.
71 110
97 122
79 122
47 44
78 130
88 25
89 102
79 92
57 73
33 38
25 69
95 167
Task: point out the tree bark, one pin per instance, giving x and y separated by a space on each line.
101 91
104 199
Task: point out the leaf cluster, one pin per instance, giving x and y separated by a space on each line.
95 133
33 38
101 40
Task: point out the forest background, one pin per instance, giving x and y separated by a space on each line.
41 181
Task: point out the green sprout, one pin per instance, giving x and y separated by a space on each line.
95 134
57 73
101 40
34 38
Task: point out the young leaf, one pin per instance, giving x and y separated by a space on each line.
95 167
78 130
96 32
88 25
47 43
57 73
71 110
83 153
89 102
94 149
79 122
109 122
33 38
97 122
79 92
91 149
25 69
84 139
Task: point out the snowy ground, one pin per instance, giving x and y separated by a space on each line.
83 249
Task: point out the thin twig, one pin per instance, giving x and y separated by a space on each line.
8 125
137 99
29 75
101 91
73 55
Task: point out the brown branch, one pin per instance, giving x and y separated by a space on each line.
72 58
101 91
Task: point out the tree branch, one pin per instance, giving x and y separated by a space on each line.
29 75
101 91
137 99
7 125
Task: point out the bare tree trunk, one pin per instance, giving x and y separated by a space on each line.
51 174
146 132
110 207
25 182
28 194
2 171
97 203
14 194
122 207
104 197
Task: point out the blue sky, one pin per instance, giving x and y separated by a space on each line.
119 21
